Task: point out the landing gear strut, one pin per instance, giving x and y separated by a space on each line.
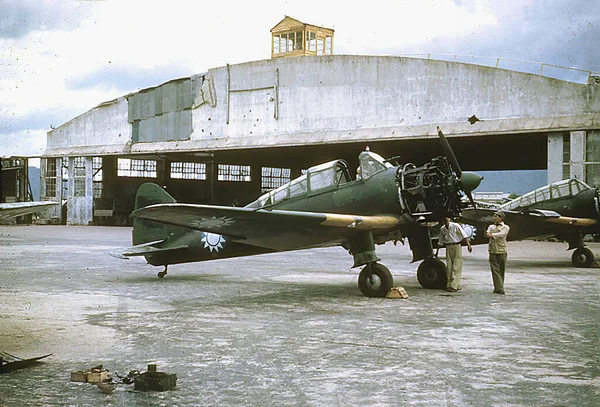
432 273
163 273
582 257
375 280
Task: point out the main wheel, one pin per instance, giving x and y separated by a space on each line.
375 280
582 257
432 273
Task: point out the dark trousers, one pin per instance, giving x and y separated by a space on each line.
498 265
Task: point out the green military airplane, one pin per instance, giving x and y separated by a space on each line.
566 210
327 206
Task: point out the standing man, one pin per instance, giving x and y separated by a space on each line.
497 233
451 236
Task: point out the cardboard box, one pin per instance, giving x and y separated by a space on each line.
96 377
79 376
93 376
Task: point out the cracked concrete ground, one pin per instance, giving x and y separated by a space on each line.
292 329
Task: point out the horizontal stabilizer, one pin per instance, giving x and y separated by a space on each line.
144 249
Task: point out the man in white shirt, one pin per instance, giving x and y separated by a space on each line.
451 236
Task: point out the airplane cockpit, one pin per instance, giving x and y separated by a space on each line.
318 178
561 189
371 163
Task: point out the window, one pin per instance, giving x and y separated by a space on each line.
371 163
97 185
592 174
299 186
188 170
64 168
320 46
238 173
50 177
566 156
298 40
272 178
79 176
592 147
328 45
288 42
592 158
136 168
311 41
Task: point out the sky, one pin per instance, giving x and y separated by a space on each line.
59 59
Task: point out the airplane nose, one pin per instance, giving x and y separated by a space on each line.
469 181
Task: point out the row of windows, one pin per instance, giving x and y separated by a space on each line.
271 177
293 41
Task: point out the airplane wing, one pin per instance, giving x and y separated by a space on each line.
11 210
525 225
276 229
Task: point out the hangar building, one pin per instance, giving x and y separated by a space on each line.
226 135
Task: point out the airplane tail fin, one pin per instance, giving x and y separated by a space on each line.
145 231
151 194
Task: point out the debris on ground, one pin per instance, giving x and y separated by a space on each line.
397 292
94 375
153 380
9 363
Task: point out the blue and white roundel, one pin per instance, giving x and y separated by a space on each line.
470 230
213 241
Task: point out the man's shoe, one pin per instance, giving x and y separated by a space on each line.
451 290
498 291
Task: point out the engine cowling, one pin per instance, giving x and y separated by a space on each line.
429 192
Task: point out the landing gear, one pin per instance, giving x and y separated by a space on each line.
163 273
582 257
432 273
375 280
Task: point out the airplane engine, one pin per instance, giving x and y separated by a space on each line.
431 191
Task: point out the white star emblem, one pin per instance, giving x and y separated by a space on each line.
212 241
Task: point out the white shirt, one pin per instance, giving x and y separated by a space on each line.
452 234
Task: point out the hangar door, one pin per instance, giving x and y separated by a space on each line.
80 197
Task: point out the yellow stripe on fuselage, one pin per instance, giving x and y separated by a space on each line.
565 220
360 222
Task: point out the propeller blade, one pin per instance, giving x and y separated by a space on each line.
449 153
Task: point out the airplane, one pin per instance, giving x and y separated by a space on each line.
327 206
14 209
567 210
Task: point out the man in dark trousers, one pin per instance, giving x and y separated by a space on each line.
497 233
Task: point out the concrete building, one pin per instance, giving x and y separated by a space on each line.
225 135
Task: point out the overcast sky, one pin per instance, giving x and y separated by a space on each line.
58 59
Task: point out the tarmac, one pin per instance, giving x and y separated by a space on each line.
293 329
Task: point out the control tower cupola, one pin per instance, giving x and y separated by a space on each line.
291 37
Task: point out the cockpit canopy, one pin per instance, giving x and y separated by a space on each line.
561 189
317 178
323 177
371 163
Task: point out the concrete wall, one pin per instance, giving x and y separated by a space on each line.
102 130
339 98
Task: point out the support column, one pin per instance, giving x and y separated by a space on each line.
577 159
555 157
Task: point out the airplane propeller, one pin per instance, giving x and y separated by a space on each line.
469 181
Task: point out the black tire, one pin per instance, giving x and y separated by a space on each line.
375 280
432 273
582 257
